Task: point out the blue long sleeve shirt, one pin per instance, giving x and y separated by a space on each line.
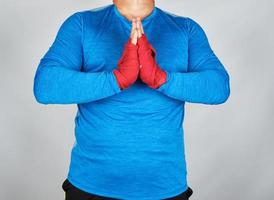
129 144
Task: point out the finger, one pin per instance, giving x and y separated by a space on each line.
133 27
134 23
141 26
134 32
134 38
138 23
142 29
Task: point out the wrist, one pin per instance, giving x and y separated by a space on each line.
120 79
142 42
130 45
160 78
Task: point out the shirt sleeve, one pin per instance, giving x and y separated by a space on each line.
58 78
206 80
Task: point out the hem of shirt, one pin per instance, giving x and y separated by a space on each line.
100 192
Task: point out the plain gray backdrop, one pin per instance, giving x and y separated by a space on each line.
229 147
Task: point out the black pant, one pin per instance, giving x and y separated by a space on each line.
73 193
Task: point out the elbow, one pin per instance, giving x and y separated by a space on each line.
39 91
39 94
226 87
225 93
224 90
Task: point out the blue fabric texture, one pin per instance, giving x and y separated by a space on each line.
129 144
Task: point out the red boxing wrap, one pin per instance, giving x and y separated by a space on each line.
150 72
128 66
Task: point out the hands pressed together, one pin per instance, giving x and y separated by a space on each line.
138 60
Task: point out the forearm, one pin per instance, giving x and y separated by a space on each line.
58 85
207 87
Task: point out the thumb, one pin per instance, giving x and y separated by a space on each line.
134 37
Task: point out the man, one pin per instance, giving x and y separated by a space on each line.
130 67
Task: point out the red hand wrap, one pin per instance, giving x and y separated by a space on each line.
150 72
128 66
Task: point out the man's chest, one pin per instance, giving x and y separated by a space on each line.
104 47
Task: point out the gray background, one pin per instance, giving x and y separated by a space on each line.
229 147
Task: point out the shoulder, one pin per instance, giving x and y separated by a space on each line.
184 22
94 14
91 15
